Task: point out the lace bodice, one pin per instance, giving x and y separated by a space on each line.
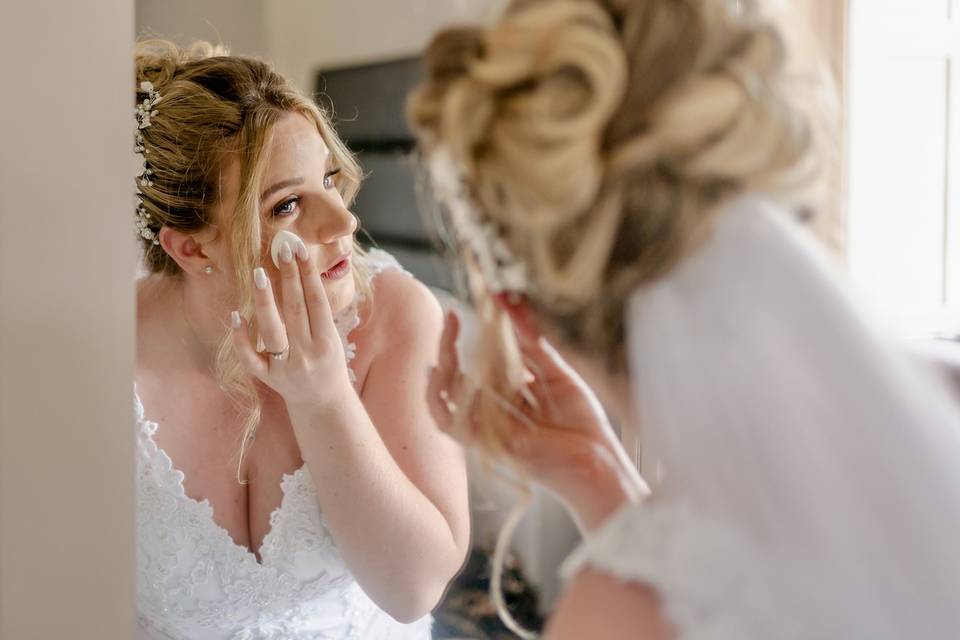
195 583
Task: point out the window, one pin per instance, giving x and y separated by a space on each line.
903 229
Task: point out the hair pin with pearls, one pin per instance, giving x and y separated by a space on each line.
144 112
501 270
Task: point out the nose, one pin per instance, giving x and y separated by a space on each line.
336 223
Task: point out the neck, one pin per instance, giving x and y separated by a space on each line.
199 314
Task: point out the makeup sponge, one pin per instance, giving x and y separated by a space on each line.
278 240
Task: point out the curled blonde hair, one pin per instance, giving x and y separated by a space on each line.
601 135
215 106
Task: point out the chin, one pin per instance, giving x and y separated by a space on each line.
341 294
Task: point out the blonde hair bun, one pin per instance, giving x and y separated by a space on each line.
600 134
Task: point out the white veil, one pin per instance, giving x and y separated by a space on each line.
773 406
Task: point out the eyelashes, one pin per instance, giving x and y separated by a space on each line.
328 179
288 206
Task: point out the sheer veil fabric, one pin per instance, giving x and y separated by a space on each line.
810 471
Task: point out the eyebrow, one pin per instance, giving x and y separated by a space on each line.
290 182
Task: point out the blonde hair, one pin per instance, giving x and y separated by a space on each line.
601 135
215 105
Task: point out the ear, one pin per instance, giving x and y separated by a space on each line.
185 250
521 315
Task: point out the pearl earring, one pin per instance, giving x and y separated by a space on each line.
208 270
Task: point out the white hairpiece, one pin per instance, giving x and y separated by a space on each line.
500 269
144 111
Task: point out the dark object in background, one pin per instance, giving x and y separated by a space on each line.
368 103
467 611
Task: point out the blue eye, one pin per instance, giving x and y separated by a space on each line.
286 208
328 181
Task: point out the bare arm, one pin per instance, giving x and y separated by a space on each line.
392 486
600 607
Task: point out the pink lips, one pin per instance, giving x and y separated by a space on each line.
339 270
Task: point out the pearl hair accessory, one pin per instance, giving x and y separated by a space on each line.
500 269
144 112
285 236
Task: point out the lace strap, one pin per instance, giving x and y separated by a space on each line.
377 260
701 569
138 412
145 428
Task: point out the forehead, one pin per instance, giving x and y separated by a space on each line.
297 148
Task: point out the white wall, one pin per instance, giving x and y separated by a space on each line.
66 321
237 23
304 35
301 36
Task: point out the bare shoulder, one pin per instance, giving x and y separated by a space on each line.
402 308
598 606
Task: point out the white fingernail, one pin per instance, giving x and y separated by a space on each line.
302 251
278 240
286 253
235 319
260 278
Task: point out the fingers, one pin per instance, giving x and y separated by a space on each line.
268 316
319 314
249 358
295 315
443 377
447 359
544 362
439 402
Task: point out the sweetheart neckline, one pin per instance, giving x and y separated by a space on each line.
346 322
150 427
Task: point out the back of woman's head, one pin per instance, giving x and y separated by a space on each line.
597 136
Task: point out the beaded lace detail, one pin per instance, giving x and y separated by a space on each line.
376 261
194 581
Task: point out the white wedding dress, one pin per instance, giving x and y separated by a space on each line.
195 583
809 473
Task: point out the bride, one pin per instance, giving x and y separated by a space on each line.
291 482
619 177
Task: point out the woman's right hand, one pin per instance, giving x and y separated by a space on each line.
564 441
